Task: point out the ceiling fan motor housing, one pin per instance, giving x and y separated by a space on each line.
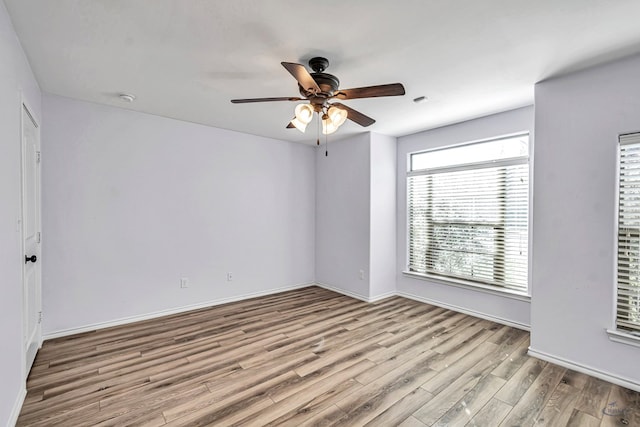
328 83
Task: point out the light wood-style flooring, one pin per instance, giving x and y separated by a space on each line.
313 357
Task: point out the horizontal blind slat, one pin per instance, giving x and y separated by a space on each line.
471 224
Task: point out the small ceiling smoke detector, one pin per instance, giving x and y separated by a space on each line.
420 99
127 97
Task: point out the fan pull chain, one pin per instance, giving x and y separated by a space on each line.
326 145
318 129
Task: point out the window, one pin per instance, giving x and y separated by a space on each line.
468 210
628 295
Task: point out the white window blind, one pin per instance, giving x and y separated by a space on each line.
470 222
628 295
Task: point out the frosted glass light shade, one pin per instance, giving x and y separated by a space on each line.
304 113
299 125
337 115
328 126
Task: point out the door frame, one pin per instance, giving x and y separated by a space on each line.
26 364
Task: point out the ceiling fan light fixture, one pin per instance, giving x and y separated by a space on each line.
328 126
304 113
337 115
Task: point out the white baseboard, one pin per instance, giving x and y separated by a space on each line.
607 376
473 313
155 314
344 292
152 315
496 319
17 407
383 296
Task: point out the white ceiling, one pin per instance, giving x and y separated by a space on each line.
187 59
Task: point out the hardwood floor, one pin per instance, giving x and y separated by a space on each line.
313 357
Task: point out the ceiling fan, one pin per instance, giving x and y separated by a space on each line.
319 88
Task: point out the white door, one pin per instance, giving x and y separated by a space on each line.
31 236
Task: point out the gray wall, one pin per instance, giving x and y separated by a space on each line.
16 83
342 215
133 202
383 216
356 214
578 118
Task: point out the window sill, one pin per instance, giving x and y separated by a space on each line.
506 293
623 337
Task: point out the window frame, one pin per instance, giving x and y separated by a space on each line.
616 333
463 282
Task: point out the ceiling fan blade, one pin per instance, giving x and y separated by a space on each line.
393 89
284 98
300 73
355 116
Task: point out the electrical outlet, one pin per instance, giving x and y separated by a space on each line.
184 282
229 276
361 274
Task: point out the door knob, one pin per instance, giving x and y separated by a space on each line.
31 258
